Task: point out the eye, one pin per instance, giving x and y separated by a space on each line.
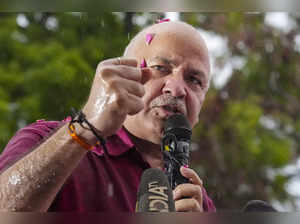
195 81
160 68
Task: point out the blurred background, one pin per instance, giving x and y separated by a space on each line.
246 145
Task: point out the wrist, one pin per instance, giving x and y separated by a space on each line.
85 132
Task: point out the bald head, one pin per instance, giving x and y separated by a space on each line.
179 32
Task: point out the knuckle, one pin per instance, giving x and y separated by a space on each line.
178 191
120 100
132 62
198 188
134 73
114 85
198 191
101 63
183 187
106 71
121 105
99 66
195 204
104 62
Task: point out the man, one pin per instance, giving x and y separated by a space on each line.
128 105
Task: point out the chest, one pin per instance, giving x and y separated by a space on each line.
101 184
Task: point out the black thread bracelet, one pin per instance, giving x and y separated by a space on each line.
80 118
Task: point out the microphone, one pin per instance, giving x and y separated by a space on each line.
176 147
258 206
154 193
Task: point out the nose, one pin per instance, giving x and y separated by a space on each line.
175 86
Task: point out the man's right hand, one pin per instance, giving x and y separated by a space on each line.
116 92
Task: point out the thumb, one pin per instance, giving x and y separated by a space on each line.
146 75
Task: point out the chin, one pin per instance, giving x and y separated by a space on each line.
153 126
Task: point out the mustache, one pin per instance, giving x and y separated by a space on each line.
171 101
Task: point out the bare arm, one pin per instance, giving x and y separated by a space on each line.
32 183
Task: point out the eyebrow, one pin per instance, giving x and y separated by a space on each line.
165 60
172 62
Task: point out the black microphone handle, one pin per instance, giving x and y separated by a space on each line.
182 156
176 148
177 156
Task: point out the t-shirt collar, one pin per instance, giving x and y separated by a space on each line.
116 144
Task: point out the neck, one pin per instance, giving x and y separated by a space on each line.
149 151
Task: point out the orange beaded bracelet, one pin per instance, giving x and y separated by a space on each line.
79 140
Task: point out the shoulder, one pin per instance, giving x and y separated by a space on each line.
25 139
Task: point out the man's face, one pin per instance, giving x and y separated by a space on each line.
179 68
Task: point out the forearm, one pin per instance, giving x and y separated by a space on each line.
32 183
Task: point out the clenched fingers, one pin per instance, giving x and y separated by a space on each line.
127 72
191 175
188 205
129 86
117 91
134 104
120 61
188 197
188 190
107 70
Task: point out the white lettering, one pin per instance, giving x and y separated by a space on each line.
152 184
159 191
156 197
155 206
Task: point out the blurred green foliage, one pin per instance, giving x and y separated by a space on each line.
47 64
248 130
46 69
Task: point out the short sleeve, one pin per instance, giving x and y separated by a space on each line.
25 140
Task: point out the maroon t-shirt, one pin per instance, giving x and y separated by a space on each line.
106 183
